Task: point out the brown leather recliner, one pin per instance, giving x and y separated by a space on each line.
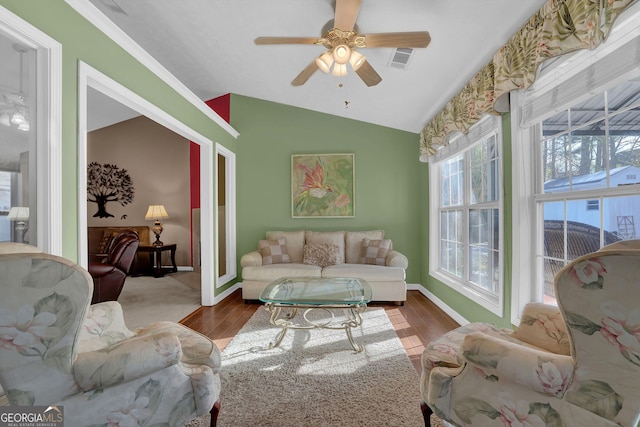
109 276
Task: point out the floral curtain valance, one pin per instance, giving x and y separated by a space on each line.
559 27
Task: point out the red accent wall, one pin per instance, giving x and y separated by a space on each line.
222 106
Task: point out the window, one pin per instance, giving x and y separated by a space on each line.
587 150
466 189
576 155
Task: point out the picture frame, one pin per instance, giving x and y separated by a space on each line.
323 185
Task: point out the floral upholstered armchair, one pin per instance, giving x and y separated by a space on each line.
56 349
575 365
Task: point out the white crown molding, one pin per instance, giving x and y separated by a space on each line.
104 24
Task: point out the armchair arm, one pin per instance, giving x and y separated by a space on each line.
396 259
102 327
99 269
251 259
543 326
536 369
125 361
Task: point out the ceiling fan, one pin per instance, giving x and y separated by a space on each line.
341 41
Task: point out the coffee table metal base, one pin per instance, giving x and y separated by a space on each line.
354 319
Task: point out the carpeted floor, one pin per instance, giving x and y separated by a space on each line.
316 379
147 299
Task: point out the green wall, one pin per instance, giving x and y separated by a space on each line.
386 166
391 184
458 302
81 41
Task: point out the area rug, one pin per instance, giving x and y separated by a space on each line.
148 299
314 378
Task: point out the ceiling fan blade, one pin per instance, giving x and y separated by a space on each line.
368 75
346 14
285 40
305 74
412 39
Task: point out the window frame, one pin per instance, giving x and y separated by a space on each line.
462 144
527 184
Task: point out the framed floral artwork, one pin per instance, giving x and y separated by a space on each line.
322 185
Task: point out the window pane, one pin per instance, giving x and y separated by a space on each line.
555 160
621 218
588 157
451 245
558 123
483 247
484 172
624 141
452 181
588 111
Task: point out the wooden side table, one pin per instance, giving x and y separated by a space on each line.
156 258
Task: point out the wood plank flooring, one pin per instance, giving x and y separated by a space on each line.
418 322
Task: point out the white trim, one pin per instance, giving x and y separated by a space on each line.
227 292
89 76
49 129
441 305
523 213
104 24
230 216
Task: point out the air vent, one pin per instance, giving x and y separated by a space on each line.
400 58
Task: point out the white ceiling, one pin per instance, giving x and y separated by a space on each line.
208 45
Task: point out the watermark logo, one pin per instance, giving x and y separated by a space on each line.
31 416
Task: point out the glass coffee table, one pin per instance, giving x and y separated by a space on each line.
315 293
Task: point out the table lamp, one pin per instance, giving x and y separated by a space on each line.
156 212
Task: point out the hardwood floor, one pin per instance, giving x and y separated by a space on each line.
417 323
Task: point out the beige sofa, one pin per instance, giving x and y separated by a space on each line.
326 254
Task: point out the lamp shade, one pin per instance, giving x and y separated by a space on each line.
325 61
156 212
356 60
19 213
341 54
339 70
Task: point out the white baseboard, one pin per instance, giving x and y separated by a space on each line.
218 298
437 301
182 267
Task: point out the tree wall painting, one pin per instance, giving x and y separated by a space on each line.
108 183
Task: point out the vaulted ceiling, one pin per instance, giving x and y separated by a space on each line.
209 46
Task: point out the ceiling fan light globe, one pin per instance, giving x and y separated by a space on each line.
341 54
24 126
339 70
356 60
324 62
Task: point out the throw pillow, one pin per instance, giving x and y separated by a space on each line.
375 251
274 251
321 254
103 246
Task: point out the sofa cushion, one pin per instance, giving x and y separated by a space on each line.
368 272
274 251
375 251
321 254
105 242
295 243
353 243
269 273
331 237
